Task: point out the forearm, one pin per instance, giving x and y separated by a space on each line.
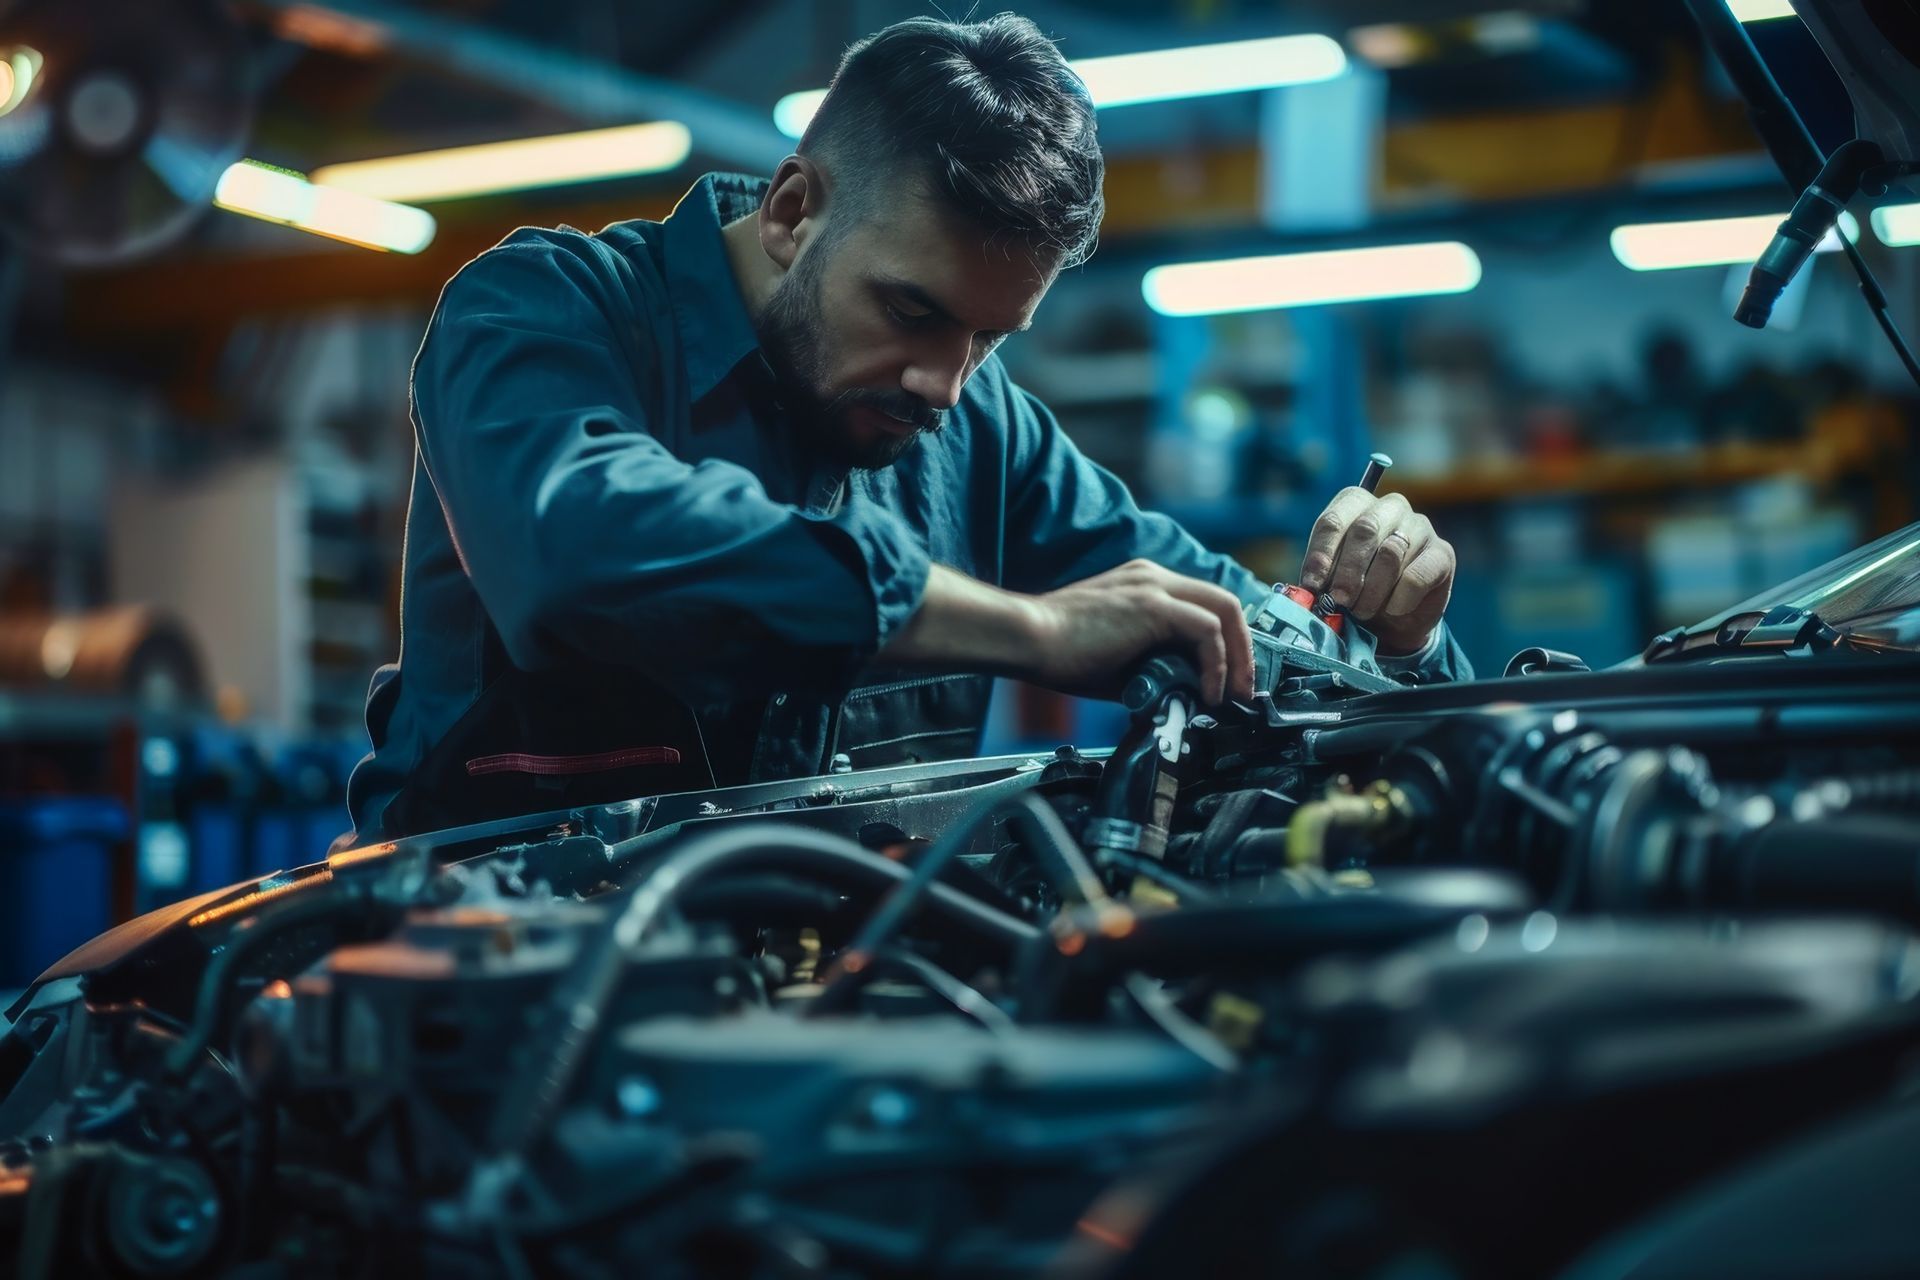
963 624
1081 638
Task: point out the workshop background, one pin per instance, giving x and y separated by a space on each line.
204 444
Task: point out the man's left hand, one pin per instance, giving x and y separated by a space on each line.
1381 561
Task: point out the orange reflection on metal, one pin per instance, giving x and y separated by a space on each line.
397 960
278 989
365 853
1104 1234
249 901
338 33
899 850
1071 944
468 917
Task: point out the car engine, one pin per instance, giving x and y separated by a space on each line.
1359 980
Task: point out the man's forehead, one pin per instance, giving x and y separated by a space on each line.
989 282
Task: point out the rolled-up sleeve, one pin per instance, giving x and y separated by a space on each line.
1079 520
584 536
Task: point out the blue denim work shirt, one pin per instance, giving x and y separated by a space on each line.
604 473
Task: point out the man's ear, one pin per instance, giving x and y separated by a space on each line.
791 211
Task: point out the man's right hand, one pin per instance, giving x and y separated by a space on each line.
1086 637
1092 633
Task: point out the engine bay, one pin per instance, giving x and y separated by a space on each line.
1454 980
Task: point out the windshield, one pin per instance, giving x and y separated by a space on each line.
1871 595
1879 577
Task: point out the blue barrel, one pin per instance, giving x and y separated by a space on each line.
217 832
56 855
277 844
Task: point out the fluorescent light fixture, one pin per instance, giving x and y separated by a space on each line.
791 113
1310 279
1707 242
1760 10
1897 225
491 167
1203 70
1390 45
275 195
1161 75
19 67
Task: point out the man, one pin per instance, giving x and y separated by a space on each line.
718 498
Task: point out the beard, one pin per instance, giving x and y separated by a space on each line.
792 329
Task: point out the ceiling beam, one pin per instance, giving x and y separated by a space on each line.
1487 157
590 89
186 292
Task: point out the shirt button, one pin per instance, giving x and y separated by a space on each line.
779 699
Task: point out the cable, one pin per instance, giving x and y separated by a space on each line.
581 998
1876 299
1788 141
1058 854
1150 869
963 998
1076 880
1190 1035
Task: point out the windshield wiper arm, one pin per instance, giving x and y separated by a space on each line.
1781 629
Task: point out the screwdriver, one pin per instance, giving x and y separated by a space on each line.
1324 608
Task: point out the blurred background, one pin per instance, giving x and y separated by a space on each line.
1539 211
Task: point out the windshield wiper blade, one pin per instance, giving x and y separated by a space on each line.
1784 628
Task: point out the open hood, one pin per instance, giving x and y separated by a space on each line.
1868 599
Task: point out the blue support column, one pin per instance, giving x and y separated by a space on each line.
1331 398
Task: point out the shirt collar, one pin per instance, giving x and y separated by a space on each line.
716 332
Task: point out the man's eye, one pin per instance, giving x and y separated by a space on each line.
906 319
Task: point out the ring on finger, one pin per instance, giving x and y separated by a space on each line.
1406 543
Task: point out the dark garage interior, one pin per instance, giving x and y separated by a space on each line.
1264 638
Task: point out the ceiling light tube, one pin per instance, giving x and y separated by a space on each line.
1760 10
1897 225
1161 75
523 163
1707 242
275 195
1311 279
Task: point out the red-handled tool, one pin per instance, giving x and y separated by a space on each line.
1323 607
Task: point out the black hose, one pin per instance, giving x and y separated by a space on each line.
1189 893
1865 862
1035 816
273 920
580 1000
1047 838
964 998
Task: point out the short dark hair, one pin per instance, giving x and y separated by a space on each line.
989 114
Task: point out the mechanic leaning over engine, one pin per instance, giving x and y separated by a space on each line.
715 499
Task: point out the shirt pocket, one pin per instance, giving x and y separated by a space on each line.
912 721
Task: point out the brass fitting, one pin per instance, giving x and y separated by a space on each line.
1377 815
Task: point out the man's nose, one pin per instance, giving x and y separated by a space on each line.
937 379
